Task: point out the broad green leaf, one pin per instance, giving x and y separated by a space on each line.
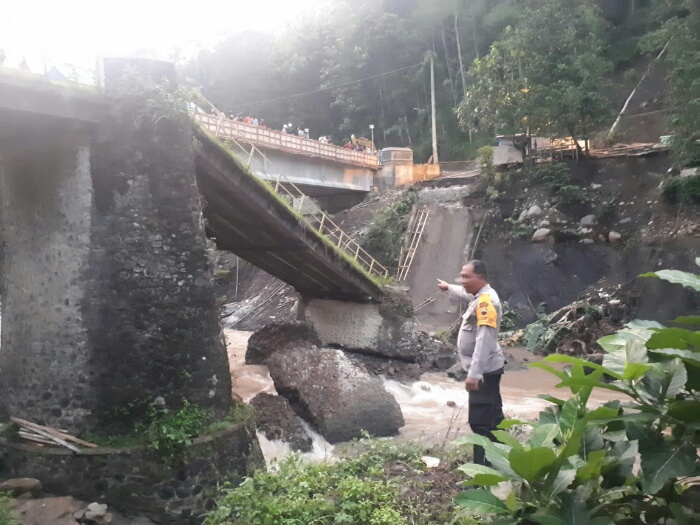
506 438
687 356
634 371
604 413
685 279
611 342
659 466
640 323
485 480
592 439
688 319
551 370
624 454
544 435
687 411
666 379
552 399
548 416
512 502
568 414
618 359
574 509
508 423
674 338
588 381
496 453
472 469
646 437
481 501
563 480
591 470
531 464
548 517
560 358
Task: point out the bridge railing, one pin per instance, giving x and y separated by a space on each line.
225 128
318 219
324 225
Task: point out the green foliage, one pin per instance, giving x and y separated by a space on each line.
557 177
386 231
571 194
6 517
509 318
168 431
683 94
517 230
554 174
682 189
355 490
544 75
485 157
579 464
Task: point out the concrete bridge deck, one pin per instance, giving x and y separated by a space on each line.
246 217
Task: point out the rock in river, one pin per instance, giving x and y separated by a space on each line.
334 395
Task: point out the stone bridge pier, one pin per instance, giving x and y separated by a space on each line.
106 298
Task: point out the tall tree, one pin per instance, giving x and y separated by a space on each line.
544 75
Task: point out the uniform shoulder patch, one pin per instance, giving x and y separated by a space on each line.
486 314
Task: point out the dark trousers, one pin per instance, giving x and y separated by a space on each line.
486 411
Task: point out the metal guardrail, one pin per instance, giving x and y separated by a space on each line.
318 221
226 128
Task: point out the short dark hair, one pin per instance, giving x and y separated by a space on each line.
479 267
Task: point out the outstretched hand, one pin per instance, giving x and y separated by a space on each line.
442 285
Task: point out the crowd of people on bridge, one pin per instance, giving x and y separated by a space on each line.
289 129
23 65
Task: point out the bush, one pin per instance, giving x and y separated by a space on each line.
355 490
682 189
553 174
509 318
386 231
6 517
580 464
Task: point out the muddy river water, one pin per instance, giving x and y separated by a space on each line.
434 408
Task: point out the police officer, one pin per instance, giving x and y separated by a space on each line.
481 355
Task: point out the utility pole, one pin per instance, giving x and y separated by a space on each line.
432 100
461 64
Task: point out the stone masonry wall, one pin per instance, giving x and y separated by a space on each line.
108 301
45 218
171 490
152 318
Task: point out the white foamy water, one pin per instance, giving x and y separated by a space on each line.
434 408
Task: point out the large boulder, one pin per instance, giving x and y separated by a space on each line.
384 329
335 396
541 235
280 336
276 419
18 486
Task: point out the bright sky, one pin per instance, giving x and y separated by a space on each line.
77 31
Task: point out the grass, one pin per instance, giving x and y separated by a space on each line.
201 134
6 517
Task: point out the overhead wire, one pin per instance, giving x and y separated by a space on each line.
247 104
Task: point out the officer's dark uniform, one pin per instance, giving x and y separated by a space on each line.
482 358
